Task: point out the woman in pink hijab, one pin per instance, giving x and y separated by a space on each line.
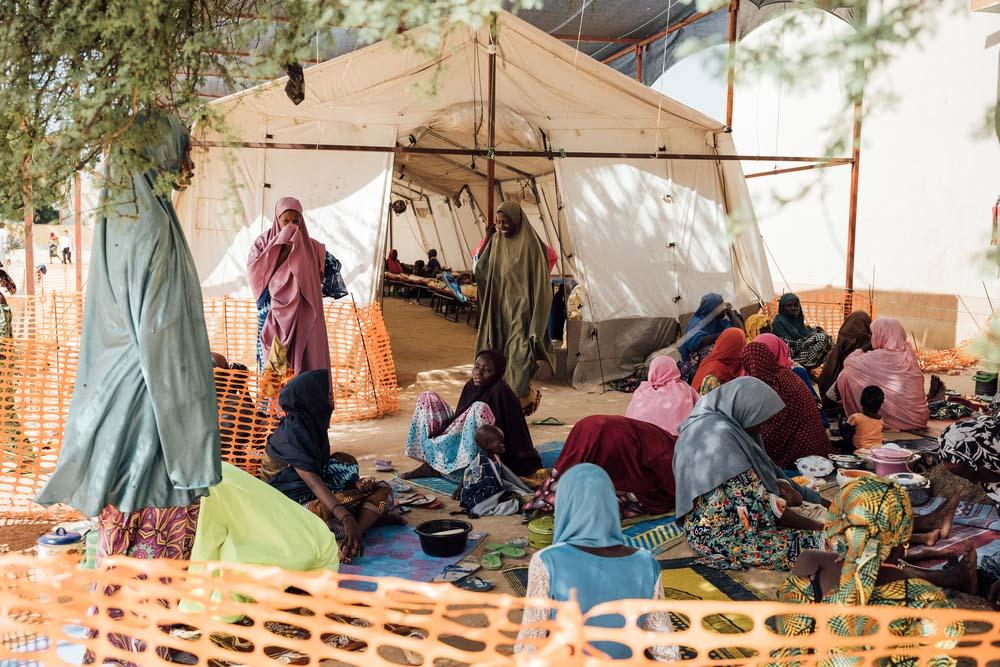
290 273
891 365
665 399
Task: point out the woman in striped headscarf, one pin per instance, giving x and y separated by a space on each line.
869 526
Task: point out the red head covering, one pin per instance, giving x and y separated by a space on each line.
778 348
724 360
797 430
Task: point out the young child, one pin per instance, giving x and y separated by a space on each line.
867 425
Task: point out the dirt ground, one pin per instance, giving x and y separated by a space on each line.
434 354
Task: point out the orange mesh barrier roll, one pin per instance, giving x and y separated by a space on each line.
828 311
151 612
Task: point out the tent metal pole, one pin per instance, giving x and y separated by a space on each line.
852 214
448 141
78 229
734 9
652 38
490 164
595 39
790 170
638 63
29 244
548 155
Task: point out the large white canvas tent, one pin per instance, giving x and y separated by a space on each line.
645 237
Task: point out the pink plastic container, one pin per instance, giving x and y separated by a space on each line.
889 461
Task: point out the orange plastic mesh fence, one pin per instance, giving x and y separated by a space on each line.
152 612
362 367
828 311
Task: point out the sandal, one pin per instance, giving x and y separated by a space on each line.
508 550
458 571
548 421
491 561
474 584
399 486
419 500
383 465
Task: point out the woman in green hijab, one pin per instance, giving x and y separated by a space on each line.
141 444
515 296
808 345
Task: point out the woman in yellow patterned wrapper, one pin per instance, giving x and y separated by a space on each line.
869 526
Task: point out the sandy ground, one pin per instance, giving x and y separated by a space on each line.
434 354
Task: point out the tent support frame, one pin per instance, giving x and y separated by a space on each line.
790 170
734 9
852 213
491 164
549 155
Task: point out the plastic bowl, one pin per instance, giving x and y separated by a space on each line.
443 538
846 476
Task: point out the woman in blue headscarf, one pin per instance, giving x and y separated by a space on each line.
712 318
589 559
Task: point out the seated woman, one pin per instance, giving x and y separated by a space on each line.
392 263
809 345
797 430
892 365
635 454
701 331
732 500
855 334
433 265
869 525
664 399
723 363
298 462
757 324
588 559
446 441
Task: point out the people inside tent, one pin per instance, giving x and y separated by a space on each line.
298 462
865 428
782 355
892 365
445 441
724 362
869 525
855 334
736 508
797 429
808 345
712 317
291 274
420 269
757 324
141 443
433 265
392 263
664 400
636 455
589 561
515 297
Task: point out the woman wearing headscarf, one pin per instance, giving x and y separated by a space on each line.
723 364
757 324
971 450
732 500
515 297
712 317
298 462
589 560
290 274
141 443
664 399
797 430
809 345
869 525
636 455
855 334
446 441
433 265
783 356
892 365
392 264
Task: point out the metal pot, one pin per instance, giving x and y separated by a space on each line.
916 486
847 461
